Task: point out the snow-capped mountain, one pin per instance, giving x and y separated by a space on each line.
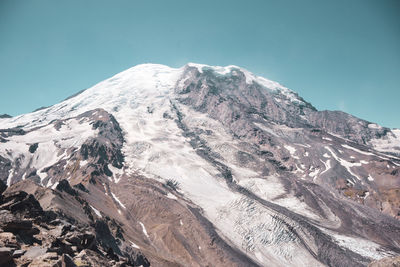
215 166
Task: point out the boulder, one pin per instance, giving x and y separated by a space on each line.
6 256
34 252
10 223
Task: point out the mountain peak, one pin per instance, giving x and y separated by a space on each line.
230 168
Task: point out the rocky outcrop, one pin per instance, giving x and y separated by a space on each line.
386 262
346 125
30 236
5 116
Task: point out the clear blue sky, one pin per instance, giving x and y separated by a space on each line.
337 54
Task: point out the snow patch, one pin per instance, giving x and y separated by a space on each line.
134 245
83 163
171 196
344 163
54 185
96 211
374 126
292 151
327 166
116 199
117 173
357 150
144 230
388 143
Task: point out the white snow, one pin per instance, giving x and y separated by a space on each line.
388 143
350 181
292 151
10 174
105 189
52 145
314 172
144 230
327 166
370 178
83 163
134 245
357 150
374 126
96 211
117 173
344 163
116 199
361 246
171 196
54 185
271 188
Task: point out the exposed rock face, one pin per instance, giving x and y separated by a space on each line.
5 116
386 262
34 237
197 166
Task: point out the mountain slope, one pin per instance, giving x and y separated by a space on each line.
213 165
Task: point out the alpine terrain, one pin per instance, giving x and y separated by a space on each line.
196 166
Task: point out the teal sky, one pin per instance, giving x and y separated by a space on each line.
338 55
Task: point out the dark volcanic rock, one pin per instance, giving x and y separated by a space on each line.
5 167
3 187
6 258
60 242
64 186
81 187
67 261
33 147
105 238
5 116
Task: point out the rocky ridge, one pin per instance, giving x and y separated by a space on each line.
31 236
